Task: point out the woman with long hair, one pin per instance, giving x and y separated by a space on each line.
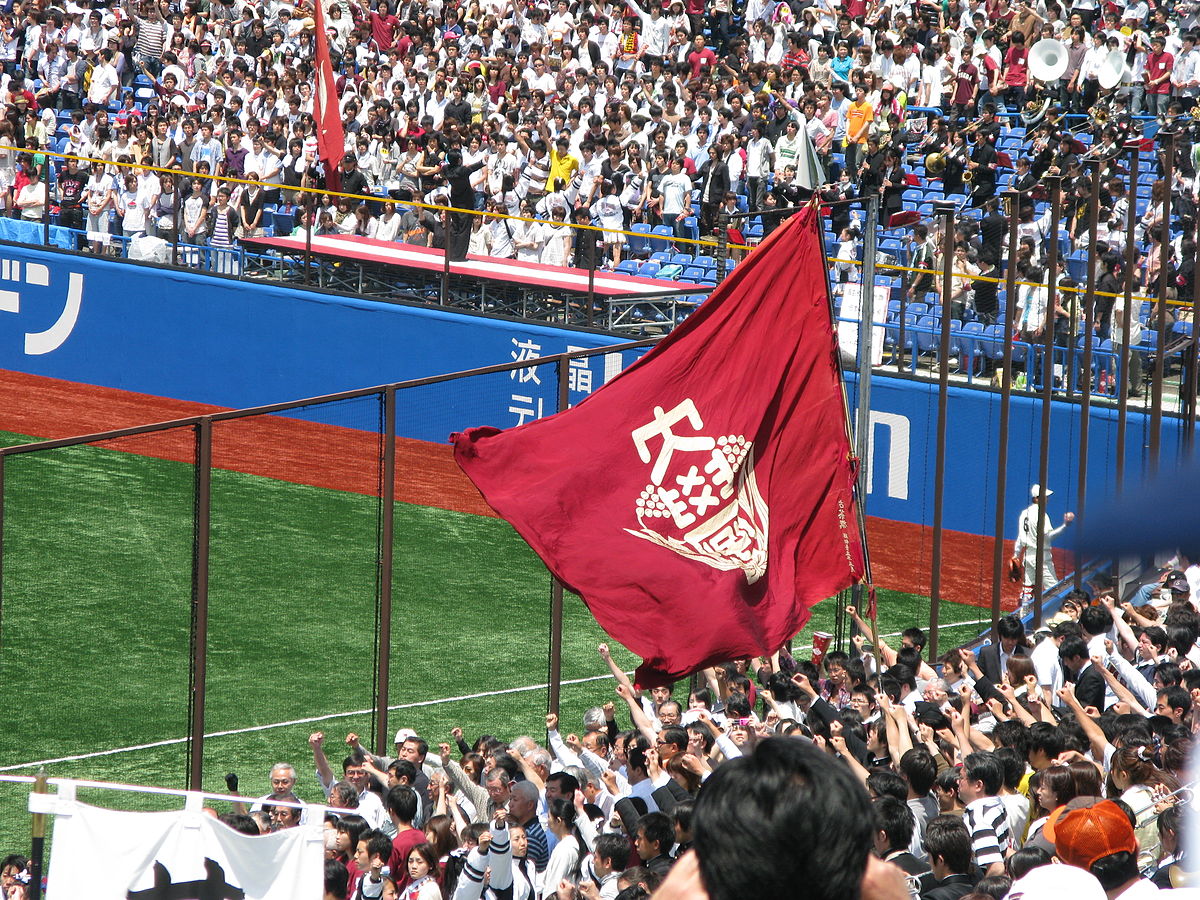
1055 788
1138 781
568 852
439 831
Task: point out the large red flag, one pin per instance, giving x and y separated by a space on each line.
331 140
701 502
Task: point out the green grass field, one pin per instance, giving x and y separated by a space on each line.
96 618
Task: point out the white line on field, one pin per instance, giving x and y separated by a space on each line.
944 625
343 715
310 720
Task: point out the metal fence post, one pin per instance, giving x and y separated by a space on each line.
556 588
1054 182
308 232
3 497
200 546
175 223
444 293
1089 320
37 849
1010 306
1122 372
386 557
1160 307
946 212
46 207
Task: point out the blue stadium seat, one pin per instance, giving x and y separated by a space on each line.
627 267
639 243
649 269
663 236
927 338
284 223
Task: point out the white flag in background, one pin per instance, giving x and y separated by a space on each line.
105 854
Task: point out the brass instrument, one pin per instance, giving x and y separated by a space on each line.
1034 112
968 129
935 163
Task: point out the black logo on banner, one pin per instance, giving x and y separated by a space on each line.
213 887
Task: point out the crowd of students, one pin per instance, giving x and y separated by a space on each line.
882 773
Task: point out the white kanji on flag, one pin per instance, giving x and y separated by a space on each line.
702 500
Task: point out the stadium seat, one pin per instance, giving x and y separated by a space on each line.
927 336
649 269
661 256
284 224
967 344
638 243
627 267
663 236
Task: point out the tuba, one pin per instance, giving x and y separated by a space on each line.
1048 60
935 163
1034 112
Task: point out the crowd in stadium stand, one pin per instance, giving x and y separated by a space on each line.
609 113
964 776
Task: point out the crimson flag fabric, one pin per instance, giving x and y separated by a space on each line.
331 139
702 501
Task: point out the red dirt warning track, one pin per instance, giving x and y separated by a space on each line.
346 459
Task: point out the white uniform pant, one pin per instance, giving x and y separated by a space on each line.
1049 577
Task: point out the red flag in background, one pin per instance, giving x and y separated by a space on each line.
701 502
331 140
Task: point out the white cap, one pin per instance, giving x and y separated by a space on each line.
1057 880
1036 490
403 735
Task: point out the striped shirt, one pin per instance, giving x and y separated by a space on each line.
152 34
539 849
991 837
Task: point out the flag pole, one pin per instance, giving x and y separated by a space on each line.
37 849
859 517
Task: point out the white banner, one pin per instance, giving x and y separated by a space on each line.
105 854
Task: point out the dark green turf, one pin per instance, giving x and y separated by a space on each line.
97 588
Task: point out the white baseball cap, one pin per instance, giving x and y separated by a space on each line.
1036 490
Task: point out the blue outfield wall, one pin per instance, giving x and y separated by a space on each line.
242 343
903 454
236 344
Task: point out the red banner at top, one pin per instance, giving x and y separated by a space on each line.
331 139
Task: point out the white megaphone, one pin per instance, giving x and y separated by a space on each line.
1112 70
1048 60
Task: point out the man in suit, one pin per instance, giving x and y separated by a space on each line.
993 658
1089 683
